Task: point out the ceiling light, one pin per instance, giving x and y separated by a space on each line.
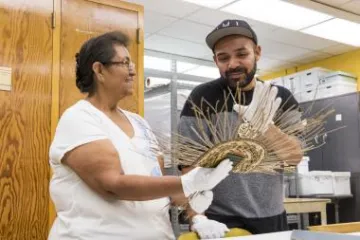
204 71
187 82
184 66
277 12
338 30
210 3
157 63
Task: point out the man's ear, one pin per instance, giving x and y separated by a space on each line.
257 50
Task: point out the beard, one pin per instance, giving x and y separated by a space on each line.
242 81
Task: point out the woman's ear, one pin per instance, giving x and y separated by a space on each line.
98 69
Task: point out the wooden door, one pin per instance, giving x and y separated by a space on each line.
83 19
25 113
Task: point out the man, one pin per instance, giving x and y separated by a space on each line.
250 201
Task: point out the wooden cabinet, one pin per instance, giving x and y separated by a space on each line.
81 20
38 42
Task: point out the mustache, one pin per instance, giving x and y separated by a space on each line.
236 70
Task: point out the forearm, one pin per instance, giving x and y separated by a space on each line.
142 188
179 200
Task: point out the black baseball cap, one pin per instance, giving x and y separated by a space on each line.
230 27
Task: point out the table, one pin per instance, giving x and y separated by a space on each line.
307 205
288 235
335 199
354 234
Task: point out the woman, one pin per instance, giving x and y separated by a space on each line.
106 185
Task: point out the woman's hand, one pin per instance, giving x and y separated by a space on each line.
200 179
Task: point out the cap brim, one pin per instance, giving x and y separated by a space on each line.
215 36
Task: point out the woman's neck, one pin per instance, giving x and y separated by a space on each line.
103 103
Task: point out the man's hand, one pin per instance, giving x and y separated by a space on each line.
289 147
207 228
262 109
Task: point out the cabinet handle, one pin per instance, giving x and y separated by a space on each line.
324 137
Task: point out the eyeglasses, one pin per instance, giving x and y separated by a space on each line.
130 65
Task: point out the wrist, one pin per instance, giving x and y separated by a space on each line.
198 218
186 187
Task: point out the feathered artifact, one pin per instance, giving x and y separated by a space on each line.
244 141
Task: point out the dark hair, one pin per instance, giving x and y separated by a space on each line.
96 49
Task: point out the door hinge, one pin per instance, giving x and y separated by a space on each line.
53 20
138 35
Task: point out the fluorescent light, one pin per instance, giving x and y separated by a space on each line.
157 63
210 3
204 71
338 30
184 66
187 82
277 12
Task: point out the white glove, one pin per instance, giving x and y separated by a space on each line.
262 108
200 179
208 229
201 201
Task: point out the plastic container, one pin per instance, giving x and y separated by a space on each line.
293 82
341 183
335 89
309 95
315 183
338 77
303 166
327 91
310 79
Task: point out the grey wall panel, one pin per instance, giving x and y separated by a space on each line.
342 149
350 208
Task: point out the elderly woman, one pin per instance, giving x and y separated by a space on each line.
106 184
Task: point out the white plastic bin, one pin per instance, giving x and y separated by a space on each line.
303 166
310 79
335 89
292 82
338 77
341 183
315 183
309 95
287 82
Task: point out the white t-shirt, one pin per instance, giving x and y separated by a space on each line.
82 214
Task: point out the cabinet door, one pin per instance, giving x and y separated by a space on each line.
342 149
82 20
349 210
25 115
